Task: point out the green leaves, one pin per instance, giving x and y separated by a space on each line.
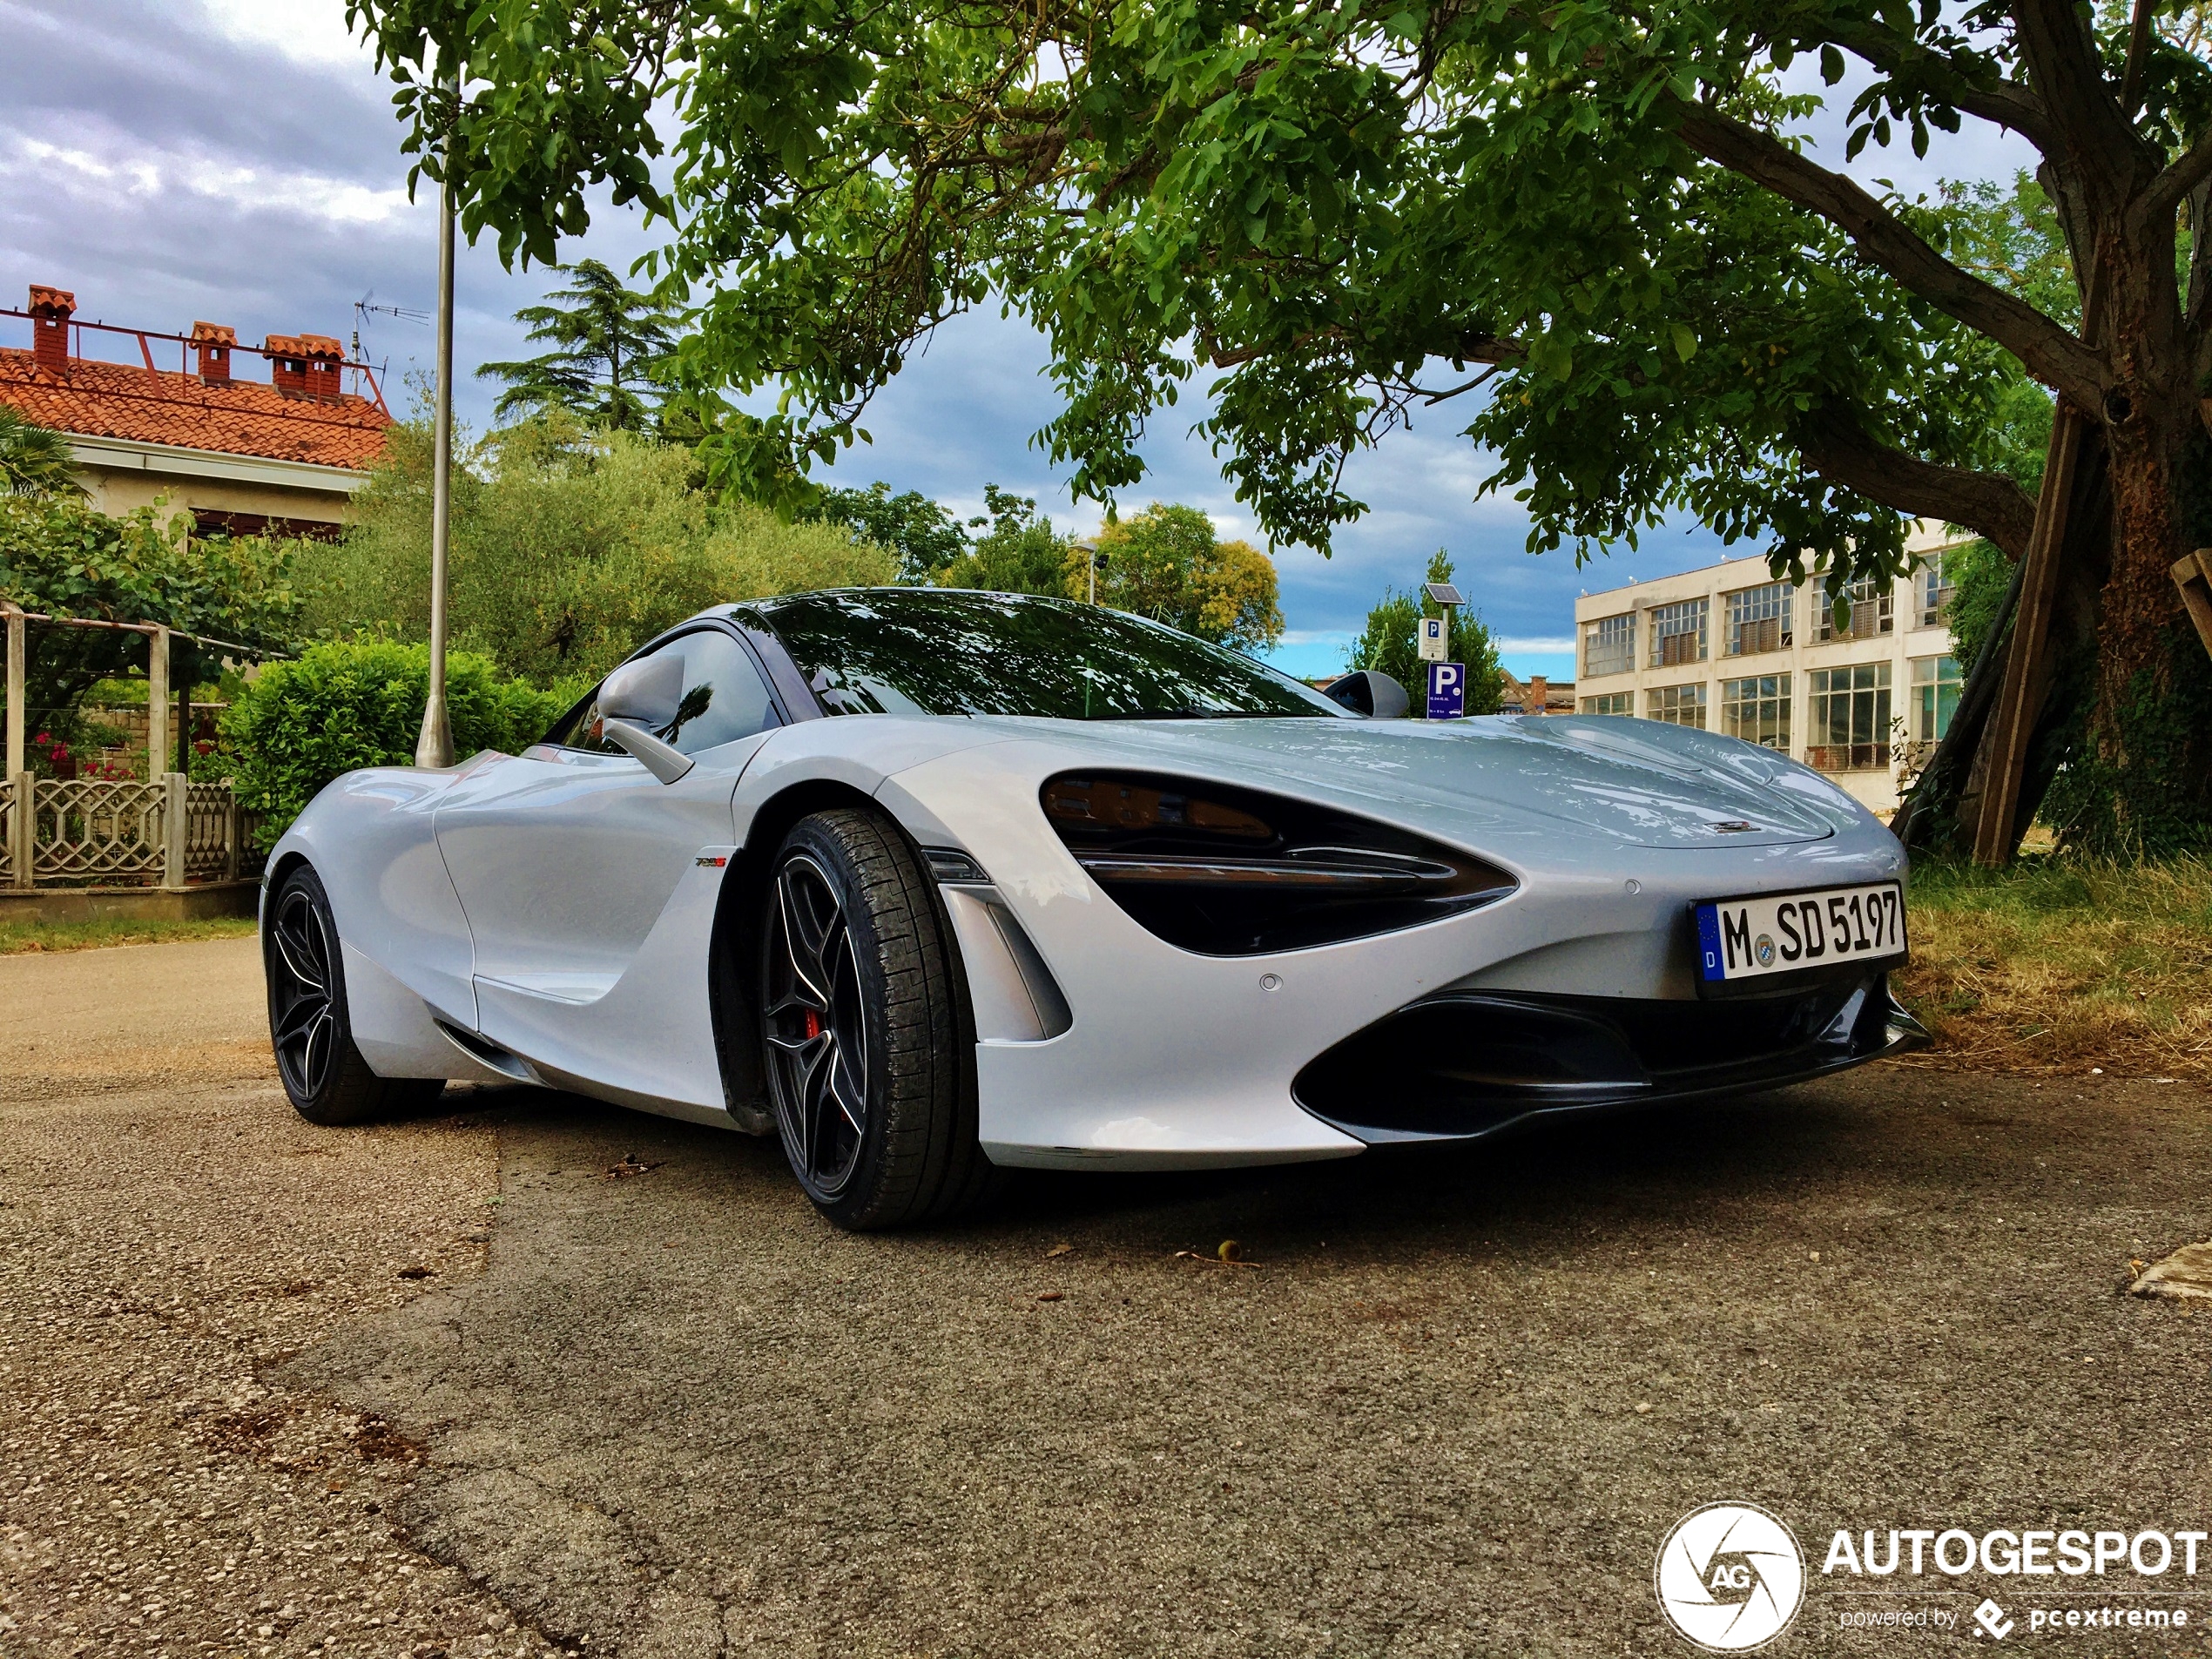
33 461
60 557
1341 217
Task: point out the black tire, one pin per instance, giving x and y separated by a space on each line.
853 962
323 1073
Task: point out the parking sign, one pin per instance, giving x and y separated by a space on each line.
1435 644
1447 691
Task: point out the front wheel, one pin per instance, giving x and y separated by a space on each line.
323 1073
859 1028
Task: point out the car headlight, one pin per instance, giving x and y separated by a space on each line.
1230 872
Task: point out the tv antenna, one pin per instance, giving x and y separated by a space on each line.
363 310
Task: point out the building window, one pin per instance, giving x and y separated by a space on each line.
1934 585
1611 703
1935 687
1759 619
1609 645
1676 704
1678 633
1758 710
1870 609
1847 727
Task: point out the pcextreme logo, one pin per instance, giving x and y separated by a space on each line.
1729 1577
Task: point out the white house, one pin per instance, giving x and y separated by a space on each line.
1729 649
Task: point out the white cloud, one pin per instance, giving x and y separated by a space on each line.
1513 642
139 171
307 31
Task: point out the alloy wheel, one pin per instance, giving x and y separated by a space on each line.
816 1027
302 978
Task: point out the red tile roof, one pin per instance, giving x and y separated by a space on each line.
96 400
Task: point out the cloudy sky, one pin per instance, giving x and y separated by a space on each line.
238 160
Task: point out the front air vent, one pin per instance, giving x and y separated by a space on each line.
1228 872
1465 1064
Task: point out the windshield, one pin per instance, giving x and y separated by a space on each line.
932 650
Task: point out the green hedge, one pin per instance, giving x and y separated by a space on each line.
350 703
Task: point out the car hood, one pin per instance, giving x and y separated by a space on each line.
1630 782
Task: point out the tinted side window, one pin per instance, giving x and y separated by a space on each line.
568 731
725 697
579 728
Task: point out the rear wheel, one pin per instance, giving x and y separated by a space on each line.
860 1031
323 1073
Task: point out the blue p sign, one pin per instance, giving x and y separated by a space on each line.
1447 691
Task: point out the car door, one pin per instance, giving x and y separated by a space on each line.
566 856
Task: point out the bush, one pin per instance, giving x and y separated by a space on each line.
349 704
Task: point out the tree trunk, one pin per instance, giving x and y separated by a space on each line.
2151 753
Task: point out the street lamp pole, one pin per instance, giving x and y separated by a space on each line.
435 746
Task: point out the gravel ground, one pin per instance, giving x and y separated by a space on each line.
168 1229
1450 1406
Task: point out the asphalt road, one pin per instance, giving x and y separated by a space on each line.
1451 1406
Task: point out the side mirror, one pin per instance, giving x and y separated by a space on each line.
666 764
644 693
1365 691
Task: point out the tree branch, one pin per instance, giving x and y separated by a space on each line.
2060 54
1838 449
2005 104
2139 37
2184 175
2048 352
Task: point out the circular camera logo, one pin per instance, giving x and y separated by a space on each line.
1729 1577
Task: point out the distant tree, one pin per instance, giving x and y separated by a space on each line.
1388 644
1018 552
926 537
571 547
1165 564
610 350
34 461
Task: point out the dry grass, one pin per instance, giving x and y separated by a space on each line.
2065 965
91 935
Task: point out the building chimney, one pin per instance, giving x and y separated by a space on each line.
304 365
287 364
213 342
1538 694
324 355
50 310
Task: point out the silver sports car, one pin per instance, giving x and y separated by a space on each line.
931 884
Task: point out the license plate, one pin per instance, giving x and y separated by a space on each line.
1787 932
